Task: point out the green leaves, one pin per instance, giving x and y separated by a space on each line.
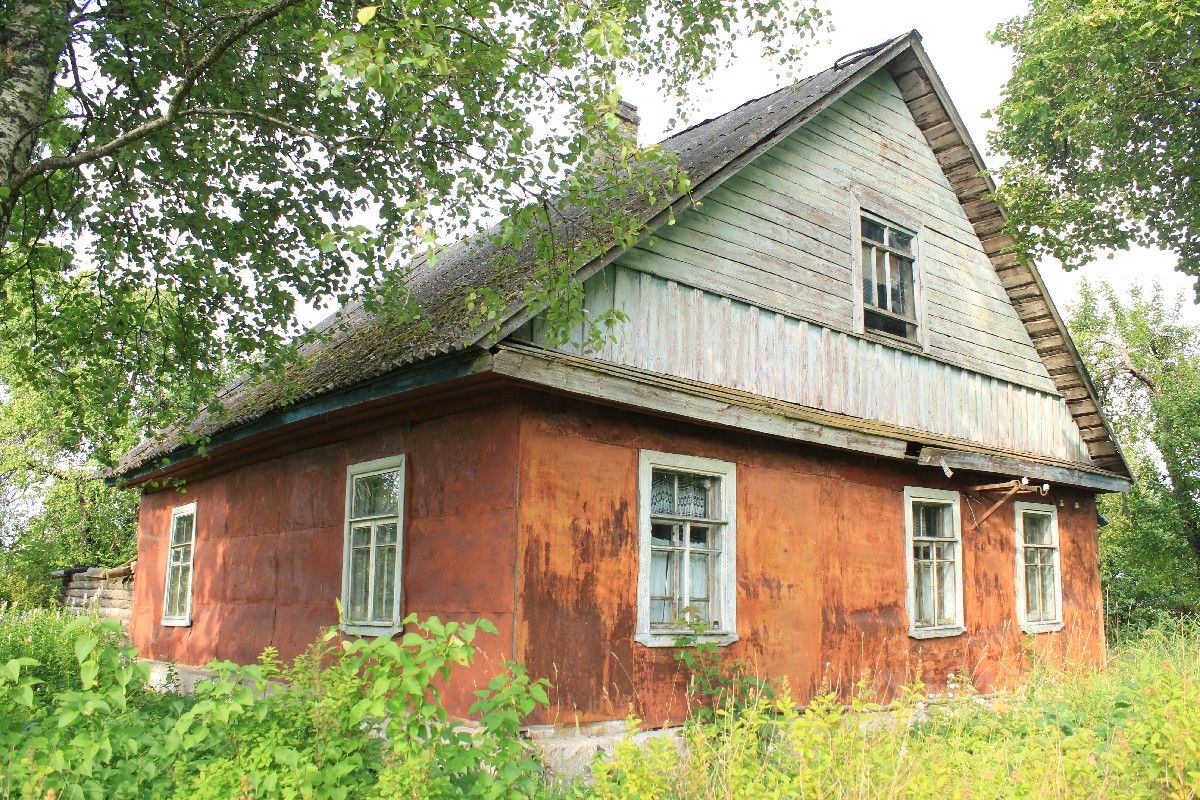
1099 127
324 146
1145 361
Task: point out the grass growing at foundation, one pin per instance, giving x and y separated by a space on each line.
1131 730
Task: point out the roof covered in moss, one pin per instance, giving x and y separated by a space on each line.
358 347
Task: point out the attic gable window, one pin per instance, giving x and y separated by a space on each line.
888 277
373 547
686 582
933 534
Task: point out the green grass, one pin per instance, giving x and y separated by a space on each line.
1129 730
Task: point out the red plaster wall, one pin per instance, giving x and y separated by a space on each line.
820 562
821 583
268 557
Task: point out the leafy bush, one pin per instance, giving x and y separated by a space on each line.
48 636
350 719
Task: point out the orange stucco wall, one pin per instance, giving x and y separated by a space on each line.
524 511
269 535
820 560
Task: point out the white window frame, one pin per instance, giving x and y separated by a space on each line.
917 494
1038 626
726 572
186 619
395 625
865 202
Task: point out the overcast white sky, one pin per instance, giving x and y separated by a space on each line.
974 71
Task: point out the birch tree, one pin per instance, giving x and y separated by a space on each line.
178 177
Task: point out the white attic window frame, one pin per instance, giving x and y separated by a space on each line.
919 494
865 202
379 626
175 567
1054 551
723 580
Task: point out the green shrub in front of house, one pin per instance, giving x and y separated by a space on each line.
363 719
354 719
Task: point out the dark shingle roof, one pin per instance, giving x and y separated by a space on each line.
358 346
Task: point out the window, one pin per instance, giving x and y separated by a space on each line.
1039 583
374 528
889 285
934 553
177 595
686 552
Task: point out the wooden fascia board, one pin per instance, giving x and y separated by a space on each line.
1021 468
930 74
424 374
855 74
683 398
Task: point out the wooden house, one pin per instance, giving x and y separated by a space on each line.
803 440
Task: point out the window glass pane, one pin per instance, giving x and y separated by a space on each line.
698 575
868 275
360 536
185 587
385 582
902 287
179 581
896 327
1048 599
360 562
385 534
376 495
881 280
664 535
1037 528
662 573
932 521
900 240
923 593
696 496
1032 606
662 612
662 492
872 230
183 529
946 587
701 536
169 601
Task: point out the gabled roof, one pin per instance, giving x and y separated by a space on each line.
359 347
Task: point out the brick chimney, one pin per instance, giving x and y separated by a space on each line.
627 113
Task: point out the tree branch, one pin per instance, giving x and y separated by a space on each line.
190 78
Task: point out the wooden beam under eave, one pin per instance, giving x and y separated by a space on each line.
1022 467
1052 340
912 82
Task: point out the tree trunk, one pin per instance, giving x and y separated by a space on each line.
33 35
